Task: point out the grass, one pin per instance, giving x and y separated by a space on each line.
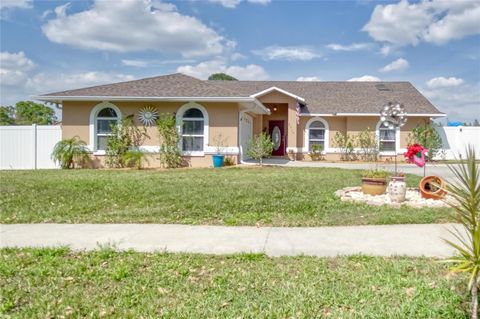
232 196
48 283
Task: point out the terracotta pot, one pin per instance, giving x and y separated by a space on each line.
374 186
432 187
397 189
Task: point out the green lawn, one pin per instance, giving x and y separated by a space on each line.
50 283
231 196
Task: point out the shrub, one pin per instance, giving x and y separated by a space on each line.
368 144
375 173
427 136
229 161
346 143
169 140
259 147
125 136
70 151
316 152
466 192
134 158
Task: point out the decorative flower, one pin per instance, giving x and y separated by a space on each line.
415 154
148 115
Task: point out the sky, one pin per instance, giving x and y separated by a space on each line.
48 46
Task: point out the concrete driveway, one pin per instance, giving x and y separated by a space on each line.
441 170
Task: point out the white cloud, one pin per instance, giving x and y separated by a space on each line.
350 47
139 63
287 53
135 63
365 78
14 68
435 21
45 83
397 65
237 56
204 69
442 82
461 101
130 26
234 3
308 78
21 4
19 81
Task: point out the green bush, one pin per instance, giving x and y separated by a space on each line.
125 136
70 151
169 141
368 144
427 136
134 158
346 143
259 147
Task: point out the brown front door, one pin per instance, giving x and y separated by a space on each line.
276 129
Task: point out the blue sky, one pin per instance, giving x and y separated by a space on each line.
54 45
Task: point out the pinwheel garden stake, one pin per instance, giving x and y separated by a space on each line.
393 116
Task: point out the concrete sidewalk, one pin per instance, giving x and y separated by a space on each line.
388 240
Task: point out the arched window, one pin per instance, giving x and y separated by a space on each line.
316 133
388 138
102 118
193 129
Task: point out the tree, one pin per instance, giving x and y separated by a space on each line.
28 112
70 151
259 147
427 136
7 115
466 192
221 77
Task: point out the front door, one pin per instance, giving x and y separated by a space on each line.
276 129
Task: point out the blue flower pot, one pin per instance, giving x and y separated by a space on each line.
218 160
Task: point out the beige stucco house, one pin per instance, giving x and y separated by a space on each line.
296 114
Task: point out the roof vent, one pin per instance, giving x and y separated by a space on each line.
382 87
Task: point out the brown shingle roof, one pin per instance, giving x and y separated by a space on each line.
343 97
172 85
320 97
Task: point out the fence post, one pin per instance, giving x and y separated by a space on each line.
34 128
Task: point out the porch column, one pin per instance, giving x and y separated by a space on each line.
292 127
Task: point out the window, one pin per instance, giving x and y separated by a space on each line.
316 133
106 118
387 139
102 117
193 123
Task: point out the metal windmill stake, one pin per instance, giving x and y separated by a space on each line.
393 116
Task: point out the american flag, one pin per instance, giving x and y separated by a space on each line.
298 113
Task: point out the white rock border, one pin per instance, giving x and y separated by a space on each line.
413 198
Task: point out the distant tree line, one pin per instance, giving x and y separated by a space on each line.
27 113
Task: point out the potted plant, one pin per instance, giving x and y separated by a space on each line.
432 187
218 158
316 152
374 182
397 188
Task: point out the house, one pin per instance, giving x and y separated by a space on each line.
296 114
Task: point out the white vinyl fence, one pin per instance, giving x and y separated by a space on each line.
456 140
28 147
